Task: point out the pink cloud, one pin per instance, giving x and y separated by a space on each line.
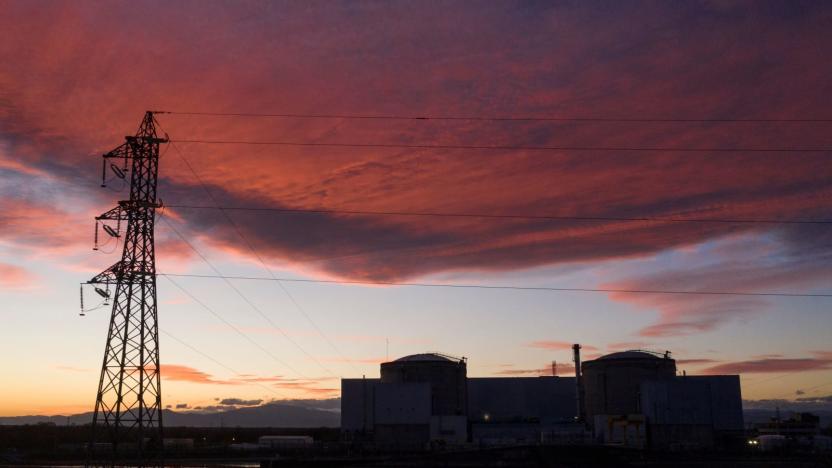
822 360
46 94
14 277
88 61
39 228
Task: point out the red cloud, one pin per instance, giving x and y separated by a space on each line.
642 65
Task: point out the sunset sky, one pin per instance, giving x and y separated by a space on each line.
76 77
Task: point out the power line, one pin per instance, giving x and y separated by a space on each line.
503 216
509 147
809 389
818 386
247 300
206 356
507 287
493 119
260 258
237 330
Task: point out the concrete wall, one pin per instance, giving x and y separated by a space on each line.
713 400
395 416
516 399
726 397
677 401
402 436
357 402
611 386
402 403
450 429
447 380
692 411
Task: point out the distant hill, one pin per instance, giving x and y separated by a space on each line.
277 414
326 413
757 415
757 411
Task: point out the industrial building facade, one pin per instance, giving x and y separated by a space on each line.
636 398
632 398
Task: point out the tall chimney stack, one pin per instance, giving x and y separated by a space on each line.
579 387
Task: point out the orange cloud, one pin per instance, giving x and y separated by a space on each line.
306 389
189 374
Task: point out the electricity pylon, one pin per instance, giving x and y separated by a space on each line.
128 406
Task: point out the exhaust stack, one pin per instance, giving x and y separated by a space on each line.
579 387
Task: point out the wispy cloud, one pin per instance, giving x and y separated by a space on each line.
820 361
13 277
189 374
791 261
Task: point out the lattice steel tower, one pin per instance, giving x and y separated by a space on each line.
128 407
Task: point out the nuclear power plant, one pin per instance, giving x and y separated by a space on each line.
633 399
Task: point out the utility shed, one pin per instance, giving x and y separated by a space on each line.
521 399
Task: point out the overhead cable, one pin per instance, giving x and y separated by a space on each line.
565 148
251 248
510 287
251 304
504 216
497 118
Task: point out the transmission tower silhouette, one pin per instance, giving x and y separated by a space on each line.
128 406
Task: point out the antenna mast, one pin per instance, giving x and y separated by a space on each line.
128 406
